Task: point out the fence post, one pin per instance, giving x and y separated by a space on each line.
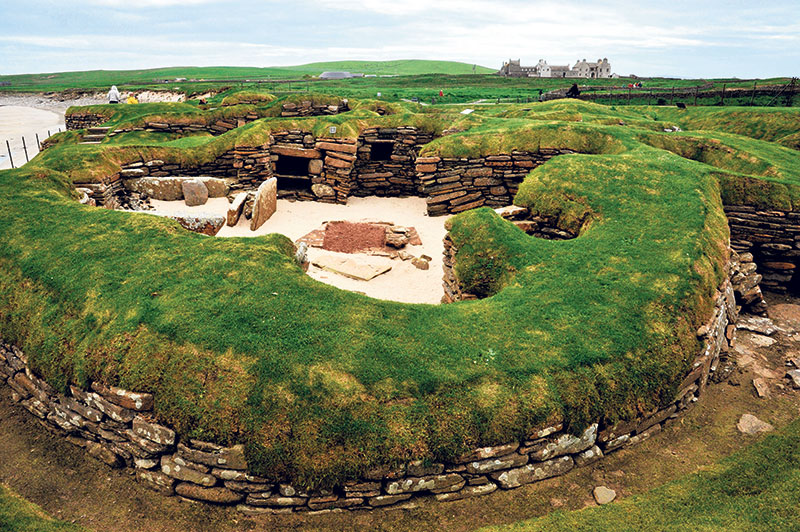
10 158
790 94
25 149
38 142
723 94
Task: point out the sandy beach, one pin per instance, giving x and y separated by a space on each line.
17 122
404 282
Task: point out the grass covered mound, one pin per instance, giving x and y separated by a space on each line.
19 515
757 489
239 345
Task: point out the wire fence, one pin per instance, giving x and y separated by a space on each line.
767 95
17 151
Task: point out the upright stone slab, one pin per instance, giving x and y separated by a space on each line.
266 203
195 192
235 209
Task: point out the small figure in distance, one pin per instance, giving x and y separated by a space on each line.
113 95
573 91
132 99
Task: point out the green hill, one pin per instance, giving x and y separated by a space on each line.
402 67
90 79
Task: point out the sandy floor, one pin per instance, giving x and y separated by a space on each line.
404 282
17 122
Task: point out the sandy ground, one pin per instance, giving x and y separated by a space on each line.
17 122
404 282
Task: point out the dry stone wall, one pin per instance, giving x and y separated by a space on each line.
386 164
454 185
119 428
770 238
83 120
242 168
309 108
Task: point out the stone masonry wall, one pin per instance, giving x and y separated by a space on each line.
247 167
119 428
772 240
330 164
395 176
453 185
83 120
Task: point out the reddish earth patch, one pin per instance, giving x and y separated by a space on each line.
356 237
349 237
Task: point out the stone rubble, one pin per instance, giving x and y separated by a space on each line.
751 425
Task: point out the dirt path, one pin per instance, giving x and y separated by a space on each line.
50 472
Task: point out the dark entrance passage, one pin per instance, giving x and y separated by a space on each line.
286 165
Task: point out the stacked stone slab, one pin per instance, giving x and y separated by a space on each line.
330 164
773 239
395 176
118 427
83 120
309 108
217 127
242 168
745 280
454 185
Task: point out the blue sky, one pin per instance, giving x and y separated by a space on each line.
678 38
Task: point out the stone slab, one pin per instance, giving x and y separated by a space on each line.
351 268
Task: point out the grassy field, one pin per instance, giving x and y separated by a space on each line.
102 79
19 515
415 79
757 489
238 344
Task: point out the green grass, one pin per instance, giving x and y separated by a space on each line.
757 489
239 345
412 79
403 67
19 515
154 77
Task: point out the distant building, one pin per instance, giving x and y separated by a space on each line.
336 75
582 69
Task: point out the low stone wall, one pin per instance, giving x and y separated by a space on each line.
119 428
243 167
772 237
454 185
83 120
309 108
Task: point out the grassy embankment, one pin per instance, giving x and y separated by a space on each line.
19 515
239 345
757 489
